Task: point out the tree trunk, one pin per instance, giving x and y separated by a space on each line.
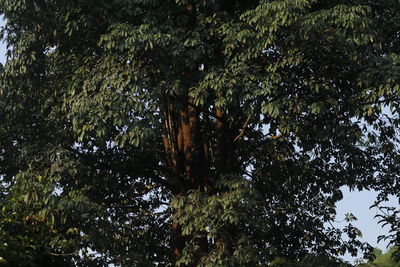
187 157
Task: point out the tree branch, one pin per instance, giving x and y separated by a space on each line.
241 134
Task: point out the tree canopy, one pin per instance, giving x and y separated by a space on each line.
194 133
387 259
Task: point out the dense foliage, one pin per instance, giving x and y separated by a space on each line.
387 259
194 133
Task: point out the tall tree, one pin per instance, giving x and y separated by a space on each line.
386 259
194 133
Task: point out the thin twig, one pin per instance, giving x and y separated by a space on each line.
61 255
243 129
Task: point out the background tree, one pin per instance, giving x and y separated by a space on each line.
386 259
310 261
195 133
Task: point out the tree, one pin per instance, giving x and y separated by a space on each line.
383 259
195 133
310 261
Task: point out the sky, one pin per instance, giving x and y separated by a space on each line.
357 203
